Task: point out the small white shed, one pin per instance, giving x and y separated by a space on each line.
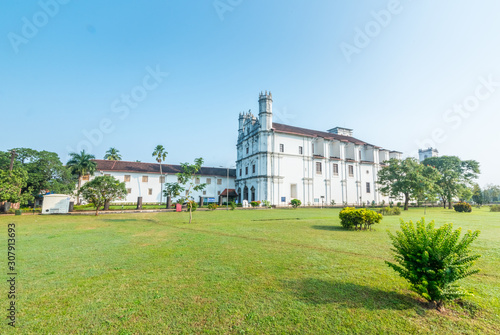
55 204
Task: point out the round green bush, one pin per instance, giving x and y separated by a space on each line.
462 207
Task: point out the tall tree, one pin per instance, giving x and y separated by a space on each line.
491 193
81 164
113 155
477 194
186 179
11 185
102 190
455 175
407 177
161 154
5 161
45 172
465 193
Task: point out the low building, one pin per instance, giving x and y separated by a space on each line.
56 204
144 180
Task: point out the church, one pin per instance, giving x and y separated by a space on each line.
278 162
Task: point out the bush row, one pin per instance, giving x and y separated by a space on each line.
390 211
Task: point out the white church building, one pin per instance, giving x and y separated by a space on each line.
278 162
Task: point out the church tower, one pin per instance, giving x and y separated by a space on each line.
426 153
266 110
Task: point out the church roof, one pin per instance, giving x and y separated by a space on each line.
139 167
283 128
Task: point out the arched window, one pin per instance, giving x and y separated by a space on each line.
239 195
245 193
252 191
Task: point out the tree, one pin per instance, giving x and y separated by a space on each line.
491 193
11 185
81 164
477 194
172 190
160 155
465 194
5 161
455 174
407 177
113 155
45 172
186 179
432 260
102 190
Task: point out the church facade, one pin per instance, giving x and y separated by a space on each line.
278 162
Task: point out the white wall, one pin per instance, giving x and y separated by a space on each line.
139 188
277 171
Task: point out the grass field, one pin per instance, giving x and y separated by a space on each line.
237 272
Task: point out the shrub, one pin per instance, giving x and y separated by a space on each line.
385 211
390 211
332 202
18 212
266 203
399 204
212 206
351 217
462 207
495 208
296 203
255 203
232 205
432 260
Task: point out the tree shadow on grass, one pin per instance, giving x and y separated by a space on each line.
331 228
349 295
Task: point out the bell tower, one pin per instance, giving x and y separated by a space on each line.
266 110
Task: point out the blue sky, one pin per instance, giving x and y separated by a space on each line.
403 74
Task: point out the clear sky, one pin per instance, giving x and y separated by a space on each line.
134 74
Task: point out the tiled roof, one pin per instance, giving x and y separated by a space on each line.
232 192
283 128
124 166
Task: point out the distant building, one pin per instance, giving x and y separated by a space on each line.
277 162
144 180
426 153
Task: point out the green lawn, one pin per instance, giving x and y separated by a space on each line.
238 272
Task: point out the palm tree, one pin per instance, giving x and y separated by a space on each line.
113 155
81 164
160 155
